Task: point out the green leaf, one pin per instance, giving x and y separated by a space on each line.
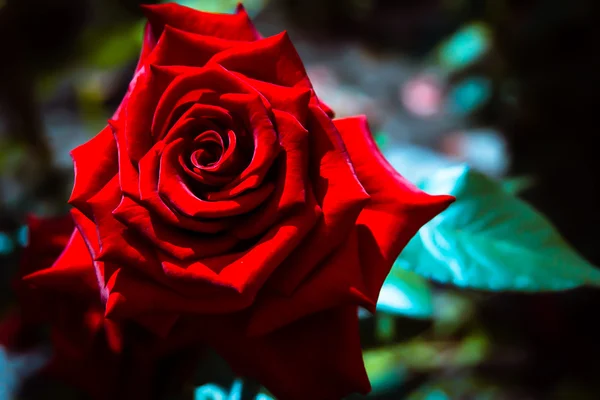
491 240
422 354
518 184
405 293
384 370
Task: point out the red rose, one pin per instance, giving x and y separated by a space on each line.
222 196
87 349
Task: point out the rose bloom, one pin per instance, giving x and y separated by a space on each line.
223 203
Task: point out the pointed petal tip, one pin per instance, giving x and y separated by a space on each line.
240 9
442 201
112 308
40 278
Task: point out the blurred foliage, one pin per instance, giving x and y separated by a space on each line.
406 293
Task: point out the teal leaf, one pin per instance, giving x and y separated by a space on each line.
491 240
518 184
16 368
406 294
465 47
470 95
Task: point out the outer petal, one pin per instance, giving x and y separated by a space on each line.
272 60
340 195
211 286
289 99
177 47
89 233
115 245
318 357
225 26
72 272
396 211
47 239
337 282
95 164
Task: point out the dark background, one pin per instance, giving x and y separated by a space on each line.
65 64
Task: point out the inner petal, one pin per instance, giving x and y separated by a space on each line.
210 151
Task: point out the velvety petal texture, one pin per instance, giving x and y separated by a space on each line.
223 203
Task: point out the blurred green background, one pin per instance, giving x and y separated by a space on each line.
508 87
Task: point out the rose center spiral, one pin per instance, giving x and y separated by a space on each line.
209 150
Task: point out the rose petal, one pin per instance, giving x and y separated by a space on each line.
72 272
161 325
236 26
129 261
148 186
89 233
247 271
128 174
337 282
95 163
318 357
172 188
47 238
291 184
217 285
396 211
178 47
134 136
272 60
117 244
208 115
289 99
341 195
265 142
184 80
175 242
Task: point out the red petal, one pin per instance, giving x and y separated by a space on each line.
168 129
396 211
216 285
340 194
225 26
173 189
95 163
318 357
184 80
89 233
72 272
266 146
272 60
338 281
149 167
173 241
47 238
134 296
160 324
133 135
289 99
118 245
247 271
177 47
291 183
